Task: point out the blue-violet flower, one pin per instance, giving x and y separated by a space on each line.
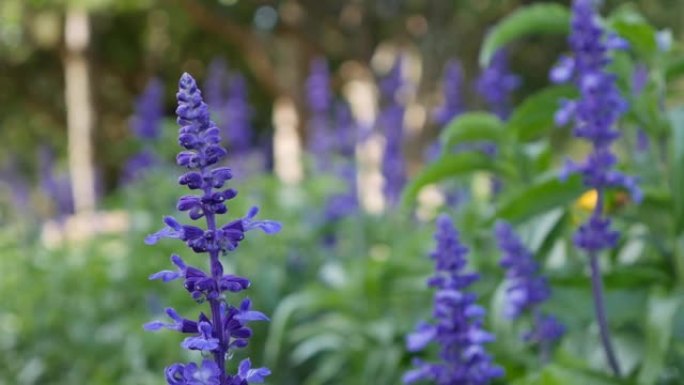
458 320
496 83
452 105
594 116
526 289
391 121
319 98
225 328
146 126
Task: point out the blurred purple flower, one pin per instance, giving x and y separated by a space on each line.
237 115
318 93
149 110
639 78
57 187
319 99
526 289
17 186
452 86
496 83
391 122
146 125
458 320
215 84
642 141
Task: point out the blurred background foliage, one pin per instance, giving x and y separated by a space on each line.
72 308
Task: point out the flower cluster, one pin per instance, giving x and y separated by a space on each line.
346 202
146 126
497 83
453 103
458 320
526 289
225 328
237 114
149 109
391 121
332 133
226 94
215 84
594 115
319 98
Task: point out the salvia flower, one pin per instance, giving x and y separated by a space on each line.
225 327
452 104
496 83
149 110
458 320
215 84
344 203
237 115
594 116
526 288
319 99
391 122
146 125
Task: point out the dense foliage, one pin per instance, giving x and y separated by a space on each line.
344 288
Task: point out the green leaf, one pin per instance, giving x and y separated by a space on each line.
287 308
631 25
539 18
659 322
446 167
641 36
472 127
316 345
674 69
676 117
542 196
555 374
534 116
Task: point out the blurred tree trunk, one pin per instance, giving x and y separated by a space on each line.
79 110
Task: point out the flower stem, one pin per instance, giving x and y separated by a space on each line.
597 291
215 303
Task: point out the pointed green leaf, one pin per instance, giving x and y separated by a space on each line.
472 127
659 321
539 18
631 25
677 150
447 166
534 116
674 69
542 196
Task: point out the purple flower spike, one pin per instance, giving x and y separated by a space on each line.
458 321
149 109
319 99
225 329
594 117
497 83
146 126
452 105
215 83
391 122
237 115
526 289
